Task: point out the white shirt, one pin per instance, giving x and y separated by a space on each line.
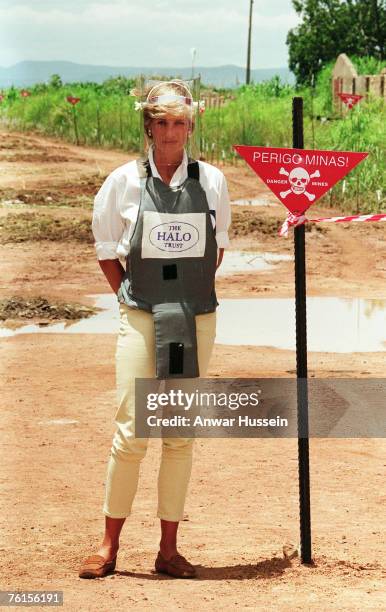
116 205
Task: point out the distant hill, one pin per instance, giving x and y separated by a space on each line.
24 74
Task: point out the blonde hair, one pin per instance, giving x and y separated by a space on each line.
176 108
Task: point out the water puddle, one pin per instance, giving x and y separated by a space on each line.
13 203
262 201
58 422
334 325
249 261
105 322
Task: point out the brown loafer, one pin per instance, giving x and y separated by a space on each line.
177 566
96 566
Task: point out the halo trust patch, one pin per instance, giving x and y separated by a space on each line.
173 235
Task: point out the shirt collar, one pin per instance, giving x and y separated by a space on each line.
180 174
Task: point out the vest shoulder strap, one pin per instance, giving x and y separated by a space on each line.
143 166
193 169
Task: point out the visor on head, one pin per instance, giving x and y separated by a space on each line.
164 99
167 98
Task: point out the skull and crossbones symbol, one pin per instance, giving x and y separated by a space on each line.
299 179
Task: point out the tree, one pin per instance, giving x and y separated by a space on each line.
55 81
330 27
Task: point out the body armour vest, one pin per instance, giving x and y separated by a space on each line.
171 266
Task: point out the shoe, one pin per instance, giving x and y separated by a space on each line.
177 566
96 566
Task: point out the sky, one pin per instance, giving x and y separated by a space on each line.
145 32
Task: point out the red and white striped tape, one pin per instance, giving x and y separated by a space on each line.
295 220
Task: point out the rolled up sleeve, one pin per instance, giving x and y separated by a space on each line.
223 215
107 222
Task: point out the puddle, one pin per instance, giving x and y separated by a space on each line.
254 202
249 261
105 322
13 203
57 422
334 325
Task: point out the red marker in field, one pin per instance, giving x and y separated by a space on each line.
299 177
350 100
25 93
1 97
73 100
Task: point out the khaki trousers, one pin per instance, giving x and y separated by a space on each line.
135 358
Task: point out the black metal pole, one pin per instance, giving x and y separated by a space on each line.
301 359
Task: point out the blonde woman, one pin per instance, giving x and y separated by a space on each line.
169 278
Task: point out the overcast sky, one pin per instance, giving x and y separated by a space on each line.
145 32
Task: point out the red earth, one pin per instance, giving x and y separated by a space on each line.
58 406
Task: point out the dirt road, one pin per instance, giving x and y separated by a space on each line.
58 406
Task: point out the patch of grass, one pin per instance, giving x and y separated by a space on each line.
30 226
20 308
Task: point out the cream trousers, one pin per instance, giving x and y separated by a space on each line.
135 358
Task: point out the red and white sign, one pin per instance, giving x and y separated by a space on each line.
25 93
350 100
1 97
299 177
73 100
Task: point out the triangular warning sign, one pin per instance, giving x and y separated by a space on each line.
299 177
350 99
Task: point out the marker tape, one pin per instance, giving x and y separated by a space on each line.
295 220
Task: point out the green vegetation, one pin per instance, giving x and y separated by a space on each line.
257 114
331 27
105 115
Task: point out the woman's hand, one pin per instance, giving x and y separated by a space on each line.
220 256
113 271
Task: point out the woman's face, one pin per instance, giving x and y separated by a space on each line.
170 133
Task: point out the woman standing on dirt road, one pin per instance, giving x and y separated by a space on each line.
169 216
